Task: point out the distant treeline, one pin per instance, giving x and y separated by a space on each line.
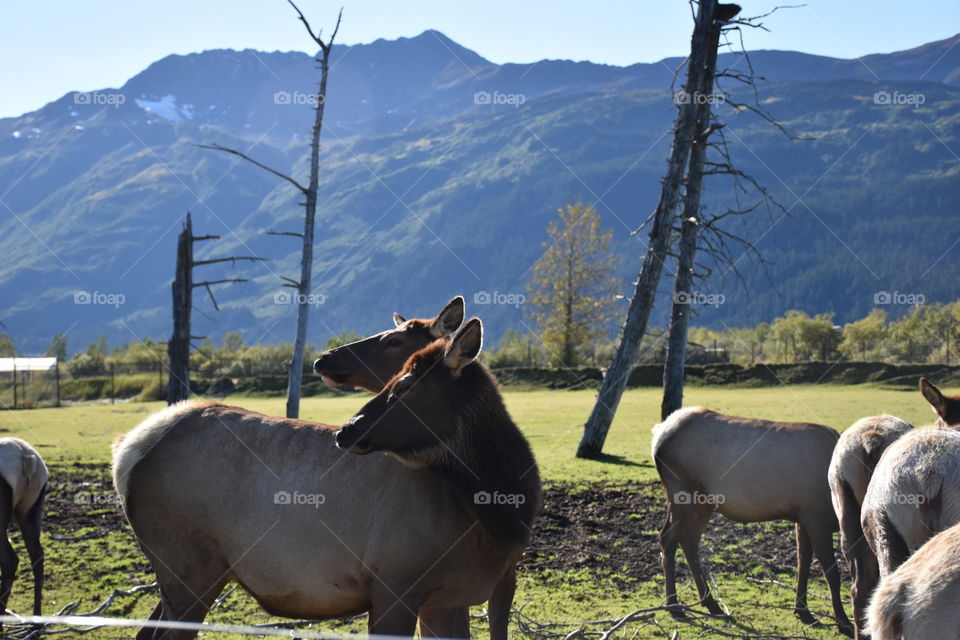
926 334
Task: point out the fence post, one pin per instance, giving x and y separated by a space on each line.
111 384
14 380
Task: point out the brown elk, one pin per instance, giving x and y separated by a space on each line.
918 601
217 494
21 500
749 470
371 362
854 459
915 488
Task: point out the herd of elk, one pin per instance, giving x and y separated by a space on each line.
312 526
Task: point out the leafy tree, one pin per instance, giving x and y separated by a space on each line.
797 337
99 348
515 350
342 338
864 338
572 290
233 341
7 349
58 347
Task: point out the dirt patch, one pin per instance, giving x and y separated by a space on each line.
614 530
81 501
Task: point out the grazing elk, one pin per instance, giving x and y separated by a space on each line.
371 362
915 489
854 459
749 470
218 494
21 500
918 601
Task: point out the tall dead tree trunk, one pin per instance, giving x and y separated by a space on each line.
673 369
295 373
304 285
178 349
661 224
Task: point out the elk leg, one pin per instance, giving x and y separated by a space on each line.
866 575
804 556
29 524
501 603
669 539
390 616
8 557
444 622
187 597
694 525
822 539
149 633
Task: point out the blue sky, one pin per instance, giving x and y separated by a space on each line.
50 48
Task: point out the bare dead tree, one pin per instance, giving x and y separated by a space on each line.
304 284
710 232
178 349
690 223
660 238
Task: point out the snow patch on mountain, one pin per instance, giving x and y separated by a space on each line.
166 107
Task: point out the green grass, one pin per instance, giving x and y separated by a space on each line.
552 420
87 571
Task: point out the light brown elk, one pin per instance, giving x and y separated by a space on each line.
854 459
749 470
218 494
21 500
918 601
915 489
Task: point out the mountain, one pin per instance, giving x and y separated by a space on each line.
440 173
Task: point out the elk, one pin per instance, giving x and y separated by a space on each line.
854 459
918 601
915 489
217 494
21 500
749 470
371 362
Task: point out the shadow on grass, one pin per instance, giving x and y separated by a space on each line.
618 460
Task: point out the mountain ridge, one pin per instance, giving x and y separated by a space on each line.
423 180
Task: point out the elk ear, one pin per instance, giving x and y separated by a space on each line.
464 347
398 319
934 397
448 319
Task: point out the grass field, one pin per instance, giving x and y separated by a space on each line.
96 558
